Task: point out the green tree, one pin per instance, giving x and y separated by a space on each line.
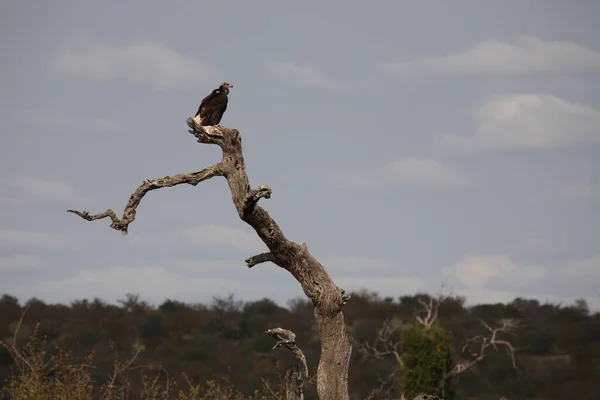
427 355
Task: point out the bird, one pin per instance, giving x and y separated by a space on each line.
213 106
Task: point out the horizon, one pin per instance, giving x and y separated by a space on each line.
288 304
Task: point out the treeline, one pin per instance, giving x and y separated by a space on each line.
557 356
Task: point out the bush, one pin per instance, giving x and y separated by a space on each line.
45 372
427 355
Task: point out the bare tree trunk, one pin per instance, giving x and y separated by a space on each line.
327 298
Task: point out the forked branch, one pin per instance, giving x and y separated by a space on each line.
476 347
428 312
384 344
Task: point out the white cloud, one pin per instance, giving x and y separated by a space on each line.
151 283
476 270
47 190
217 237
21 239
481 275
579 191
530 121
147 64
410 171
528 55
481 278
19 262
290 72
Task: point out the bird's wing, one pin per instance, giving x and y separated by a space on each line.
207 98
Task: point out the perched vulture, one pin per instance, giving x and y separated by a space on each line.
213 106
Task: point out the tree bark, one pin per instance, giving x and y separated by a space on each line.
328 299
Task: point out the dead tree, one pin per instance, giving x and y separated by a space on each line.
384 346
427 315
328 299
476 347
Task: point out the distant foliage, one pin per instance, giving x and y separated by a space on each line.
222 346
427 354
47 373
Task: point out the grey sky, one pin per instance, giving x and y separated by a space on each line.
407 143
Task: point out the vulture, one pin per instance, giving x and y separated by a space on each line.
213 106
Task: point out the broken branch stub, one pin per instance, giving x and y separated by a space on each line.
328 299
294 380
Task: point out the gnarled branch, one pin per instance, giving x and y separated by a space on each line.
327 298
122 224
287 339
294 381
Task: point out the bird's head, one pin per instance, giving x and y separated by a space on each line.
226 85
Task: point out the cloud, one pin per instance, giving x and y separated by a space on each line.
12 239
578 278
476 296
26 188
587 270
530 121
153 284
477 270
410 171
221 238
19 262
481 278
484 277
579 191
528 55
289 72
146 64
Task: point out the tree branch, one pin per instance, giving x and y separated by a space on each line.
135 199
287 339
484 342
430 309
261 258
294 381
383 345
327 298
253 196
